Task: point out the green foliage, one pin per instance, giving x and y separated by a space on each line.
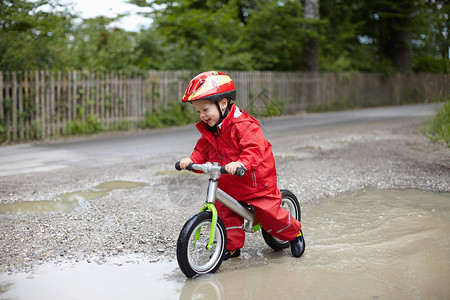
265 108
173 115
89 126
31 38
3 136
276 29
151 53
122 126
274 108
97 46
369 35
200 35
431 64
339 41
431 32
36 129
438 128
353 35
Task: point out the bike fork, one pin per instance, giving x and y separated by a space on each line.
212 232
209 205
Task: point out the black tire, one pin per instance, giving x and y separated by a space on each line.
290 203
193 258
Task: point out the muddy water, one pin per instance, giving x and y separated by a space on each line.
66 201
376 244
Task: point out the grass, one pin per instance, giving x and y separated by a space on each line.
438 128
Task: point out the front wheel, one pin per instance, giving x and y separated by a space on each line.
192 254
290 203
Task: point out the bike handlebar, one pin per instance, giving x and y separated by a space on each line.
208 166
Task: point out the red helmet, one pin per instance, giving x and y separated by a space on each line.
210 85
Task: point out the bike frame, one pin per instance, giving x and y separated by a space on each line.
214 193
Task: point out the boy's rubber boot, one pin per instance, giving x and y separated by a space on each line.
232 254
298 245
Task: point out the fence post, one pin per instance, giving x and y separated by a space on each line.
14 106
20 117
115 94
2 113
58 104
65 101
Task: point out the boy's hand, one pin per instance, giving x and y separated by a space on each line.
232 167
185 162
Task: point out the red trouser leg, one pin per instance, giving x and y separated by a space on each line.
274 219
234 225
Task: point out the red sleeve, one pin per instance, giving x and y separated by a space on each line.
198 155
252 142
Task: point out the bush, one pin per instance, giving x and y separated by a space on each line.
274 108
173 115
438 128
90 126
431 64
3 136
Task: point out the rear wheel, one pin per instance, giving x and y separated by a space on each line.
192 254
290 203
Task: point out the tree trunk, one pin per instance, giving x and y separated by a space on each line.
396 36
403 56
311 49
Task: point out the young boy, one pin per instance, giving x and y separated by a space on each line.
235 139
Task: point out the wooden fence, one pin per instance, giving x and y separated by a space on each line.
42 104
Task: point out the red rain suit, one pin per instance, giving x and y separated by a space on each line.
240 138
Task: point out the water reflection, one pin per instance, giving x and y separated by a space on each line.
127 277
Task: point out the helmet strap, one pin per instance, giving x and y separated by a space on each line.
223 115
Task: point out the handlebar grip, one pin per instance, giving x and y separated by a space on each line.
178 167
222 170
239 171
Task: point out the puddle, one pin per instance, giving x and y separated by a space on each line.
67 201
375 244
128 277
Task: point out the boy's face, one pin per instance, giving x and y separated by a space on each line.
208 111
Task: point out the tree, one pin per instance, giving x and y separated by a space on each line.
382 35
152 55
31 38
311 52
388 26
273 35
431 41
362 35
98 46
341 48
395 26
241 35
199 34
